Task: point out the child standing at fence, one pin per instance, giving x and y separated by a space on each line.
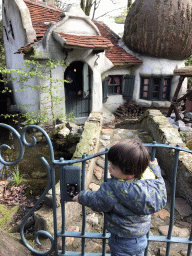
135 191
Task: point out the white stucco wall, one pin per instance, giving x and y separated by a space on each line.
114 101
157 67
11 46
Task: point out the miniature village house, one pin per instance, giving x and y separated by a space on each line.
103 70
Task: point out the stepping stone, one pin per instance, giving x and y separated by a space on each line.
105 137
116 137
128 134
104 143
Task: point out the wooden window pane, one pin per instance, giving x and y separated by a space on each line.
146 81
145 94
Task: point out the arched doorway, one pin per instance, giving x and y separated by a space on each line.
77 90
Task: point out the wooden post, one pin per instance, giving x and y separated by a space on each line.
174 100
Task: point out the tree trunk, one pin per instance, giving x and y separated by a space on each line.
88 7
129 3
83 5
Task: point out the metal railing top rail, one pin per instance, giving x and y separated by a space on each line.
169 239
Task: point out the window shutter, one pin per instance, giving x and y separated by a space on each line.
105 89
128 86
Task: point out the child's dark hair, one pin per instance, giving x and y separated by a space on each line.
131 156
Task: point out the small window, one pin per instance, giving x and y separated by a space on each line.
155 88
114 85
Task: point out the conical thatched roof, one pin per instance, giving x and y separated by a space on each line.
160 28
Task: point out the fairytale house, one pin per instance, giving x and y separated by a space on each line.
102 70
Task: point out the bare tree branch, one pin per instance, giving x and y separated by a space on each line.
109 12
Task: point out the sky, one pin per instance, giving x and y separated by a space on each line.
105 6
112 9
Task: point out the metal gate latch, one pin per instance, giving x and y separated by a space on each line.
72 190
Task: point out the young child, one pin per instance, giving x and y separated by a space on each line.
135 191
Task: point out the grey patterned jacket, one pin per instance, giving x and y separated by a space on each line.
128 204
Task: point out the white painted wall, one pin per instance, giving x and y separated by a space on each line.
157 67
114 101
13 61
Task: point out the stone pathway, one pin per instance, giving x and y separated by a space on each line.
160 220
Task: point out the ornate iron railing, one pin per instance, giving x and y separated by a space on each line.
67 174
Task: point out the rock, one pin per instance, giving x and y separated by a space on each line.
7 215
185 128
104 143
93 247
180 123
128 134
116 137
92 219
188 115
105 137
11 245
101 163
72 126
93 187
107 131
63 132
171 253
189 144
171 120
163 214
120 130
38 175
173 115
70 240
175 126
179 232
182 207
98 171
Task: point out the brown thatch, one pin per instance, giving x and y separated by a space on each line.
160 28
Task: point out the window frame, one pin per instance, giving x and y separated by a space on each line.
150 88
113 85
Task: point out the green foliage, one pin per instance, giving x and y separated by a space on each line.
188 62
41 70
2 52
121 18
17 178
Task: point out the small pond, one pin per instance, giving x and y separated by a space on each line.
31 166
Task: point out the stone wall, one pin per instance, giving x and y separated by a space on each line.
89 142
162 132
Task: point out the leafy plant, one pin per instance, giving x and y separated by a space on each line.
17 178
188 62
40 70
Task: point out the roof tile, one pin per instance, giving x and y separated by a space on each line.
43 15
86 41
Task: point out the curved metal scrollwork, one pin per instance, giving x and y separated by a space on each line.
23 142
22 149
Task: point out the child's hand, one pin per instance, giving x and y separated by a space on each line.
154 161
75 199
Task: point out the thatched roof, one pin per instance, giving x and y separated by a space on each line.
160 28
